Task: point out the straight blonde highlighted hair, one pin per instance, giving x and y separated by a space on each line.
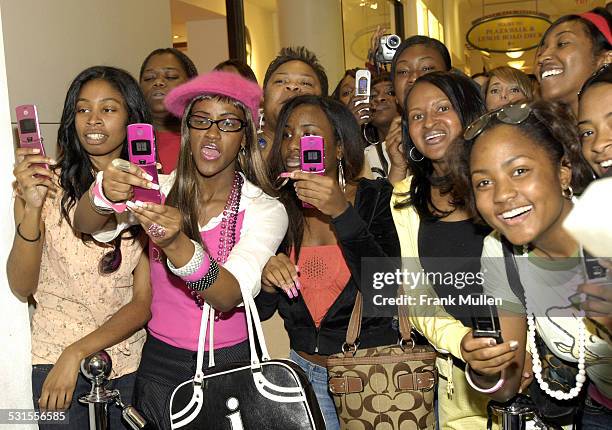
185 193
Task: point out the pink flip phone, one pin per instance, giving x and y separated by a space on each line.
141 147
312 157
28 128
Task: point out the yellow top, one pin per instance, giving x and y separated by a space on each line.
459 406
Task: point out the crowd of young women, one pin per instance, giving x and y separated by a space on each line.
468 180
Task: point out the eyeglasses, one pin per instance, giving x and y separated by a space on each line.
230 125
111 261
513 114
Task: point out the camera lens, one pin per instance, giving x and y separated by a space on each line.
393 41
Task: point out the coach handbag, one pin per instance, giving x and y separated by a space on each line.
270 394
386 384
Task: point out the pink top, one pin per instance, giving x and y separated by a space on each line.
323 276
175 316
260 228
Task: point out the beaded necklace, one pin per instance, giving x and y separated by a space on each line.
227 235
537 364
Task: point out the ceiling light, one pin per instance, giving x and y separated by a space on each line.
515 54
176 36
516 64
485 53
374 6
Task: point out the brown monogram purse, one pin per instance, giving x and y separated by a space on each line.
388 386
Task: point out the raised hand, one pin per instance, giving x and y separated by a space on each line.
322 192
119 178
361 111
162 223
395 150
485 356
33 182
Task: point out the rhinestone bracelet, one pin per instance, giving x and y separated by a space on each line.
209 279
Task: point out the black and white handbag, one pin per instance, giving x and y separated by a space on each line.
263 394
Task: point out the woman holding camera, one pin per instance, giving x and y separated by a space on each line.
524 164
318 268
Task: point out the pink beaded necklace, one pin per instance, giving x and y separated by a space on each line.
227 235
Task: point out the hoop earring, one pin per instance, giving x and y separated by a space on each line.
412 156
341 179
568 192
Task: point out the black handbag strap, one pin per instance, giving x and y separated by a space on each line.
354 327
512 272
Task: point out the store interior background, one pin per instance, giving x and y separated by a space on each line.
46 43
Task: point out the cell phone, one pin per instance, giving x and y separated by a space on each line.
141 149
312 157
28 128
485 322
593 271
363 79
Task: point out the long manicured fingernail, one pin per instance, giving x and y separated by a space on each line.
147 177
289 293
130 204
139 203
153 185
297 284
492 342
526 375
52 161
35 151
513 345
294 291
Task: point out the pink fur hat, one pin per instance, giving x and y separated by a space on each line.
222 83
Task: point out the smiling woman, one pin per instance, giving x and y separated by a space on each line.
572 49
54 263
594 121
524 165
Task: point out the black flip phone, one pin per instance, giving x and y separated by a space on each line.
485 321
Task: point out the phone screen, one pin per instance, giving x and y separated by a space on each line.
312 156
141 147
27 125
363 86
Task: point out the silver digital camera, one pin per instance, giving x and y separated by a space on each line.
387 47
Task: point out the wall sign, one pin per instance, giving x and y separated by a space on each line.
511 31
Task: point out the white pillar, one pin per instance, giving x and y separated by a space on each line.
15 353
317 25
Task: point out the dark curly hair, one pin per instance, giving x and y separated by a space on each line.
465 97
77 171
551 125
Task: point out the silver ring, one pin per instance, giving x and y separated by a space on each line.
156 230
121 164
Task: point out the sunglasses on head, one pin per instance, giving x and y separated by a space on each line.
111 261
513 114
